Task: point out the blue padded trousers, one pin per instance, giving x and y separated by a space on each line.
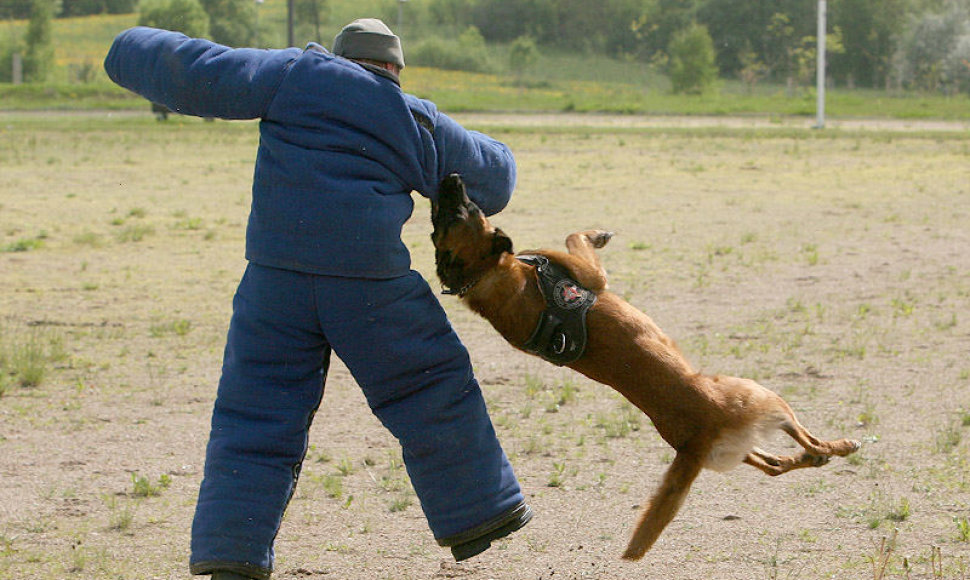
415 374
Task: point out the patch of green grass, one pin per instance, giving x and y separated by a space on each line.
188 223
333 486
143 487
562 394
89 239
26 359
620 423
904 306
399 504
810 254
947 438
179 327
963 528
134 233
533 386
23 245
899 511
345 467
557 476
867 417
120 516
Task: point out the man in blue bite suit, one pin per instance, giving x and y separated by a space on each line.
341 149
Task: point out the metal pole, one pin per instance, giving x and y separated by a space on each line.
256 14
18 69
820 68
289 23
400 15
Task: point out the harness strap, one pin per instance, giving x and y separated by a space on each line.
560 336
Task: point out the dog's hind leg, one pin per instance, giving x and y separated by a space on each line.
774 465
813 445
665 503
816 446
583 245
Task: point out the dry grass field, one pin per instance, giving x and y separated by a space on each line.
834 267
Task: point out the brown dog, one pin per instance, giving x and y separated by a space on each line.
711 421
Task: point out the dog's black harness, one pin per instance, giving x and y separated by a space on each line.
560 336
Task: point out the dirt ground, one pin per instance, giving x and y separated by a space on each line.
832 267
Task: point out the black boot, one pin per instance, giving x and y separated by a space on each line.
478 539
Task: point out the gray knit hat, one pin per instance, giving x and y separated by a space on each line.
371 39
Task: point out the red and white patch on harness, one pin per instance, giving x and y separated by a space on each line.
568 295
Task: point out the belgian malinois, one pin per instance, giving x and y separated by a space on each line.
711 421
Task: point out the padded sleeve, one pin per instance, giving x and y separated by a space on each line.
486 166
196 76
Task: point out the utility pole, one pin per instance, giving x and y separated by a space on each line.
256 13
400 15
820 68
17 68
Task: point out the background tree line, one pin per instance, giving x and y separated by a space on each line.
877 43
21 9
914 44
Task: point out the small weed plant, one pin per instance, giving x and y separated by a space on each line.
558 474
143 487
963 529
948 438
26 360
134 233
23 245
345 467
400 504
179 327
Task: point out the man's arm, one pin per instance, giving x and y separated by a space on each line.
486 166
196 76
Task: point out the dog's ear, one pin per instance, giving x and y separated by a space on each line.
501 243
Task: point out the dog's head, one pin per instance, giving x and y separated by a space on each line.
466 245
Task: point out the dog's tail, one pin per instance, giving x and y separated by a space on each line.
665 503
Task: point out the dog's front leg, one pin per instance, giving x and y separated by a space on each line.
583 245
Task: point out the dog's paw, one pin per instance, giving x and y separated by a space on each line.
844 447
599 238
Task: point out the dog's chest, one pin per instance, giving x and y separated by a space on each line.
560 336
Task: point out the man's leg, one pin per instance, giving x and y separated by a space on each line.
272 383
396 340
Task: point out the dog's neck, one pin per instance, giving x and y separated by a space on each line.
508 296
461 292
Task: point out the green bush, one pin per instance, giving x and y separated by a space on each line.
8 47
186 16
231 22
39 53
692 65
523 55
467 53
86 7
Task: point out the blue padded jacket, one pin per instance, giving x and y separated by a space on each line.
341 146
